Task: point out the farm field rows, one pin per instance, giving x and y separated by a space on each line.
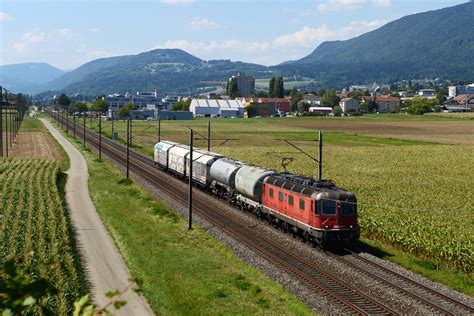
35 229
412 194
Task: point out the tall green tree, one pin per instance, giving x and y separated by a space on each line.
330 99
232 89
63 100
124 111
279 90
99 106
275 87
296 97
271 87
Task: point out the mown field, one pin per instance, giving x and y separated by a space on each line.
35 230
414 188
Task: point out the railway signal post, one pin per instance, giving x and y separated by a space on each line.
190 195
6 124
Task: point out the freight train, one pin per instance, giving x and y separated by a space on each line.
318 211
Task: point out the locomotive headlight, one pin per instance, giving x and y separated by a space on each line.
326 226
350 226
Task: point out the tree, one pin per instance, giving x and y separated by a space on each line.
296 96
303 106
78 107
182 105
99 106
330 98
63 100
232 89
337 110
420 106
275 87
372 106
124 111
271 87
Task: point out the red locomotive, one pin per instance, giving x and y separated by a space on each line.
317 209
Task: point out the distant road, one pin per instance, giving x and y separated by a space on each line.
105 268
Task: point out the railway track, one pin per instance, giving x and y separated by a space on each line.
352 300
405 286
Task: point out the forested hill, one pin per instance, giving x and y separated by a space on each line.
26 77
170 70
432 44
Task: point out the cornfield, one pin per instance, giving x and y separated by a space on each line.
417 198
35 228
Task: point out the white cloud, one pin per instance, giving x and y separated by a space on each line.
94 30
176 2
4 17
100 54
332 5
382 3
287 46
64 32
359 27
29 38
198 23
306 37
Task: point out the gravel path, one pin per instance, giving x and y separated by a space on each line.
105 268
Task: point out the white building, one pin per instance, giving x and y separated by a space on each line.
349 104
427 93
216 108
454 91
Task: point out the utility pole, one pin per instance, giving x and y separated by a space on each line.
208 135
6 123
131 132
320 160
128 147
84 130
112 125
100 138
190 195
67 121
74 124
159 125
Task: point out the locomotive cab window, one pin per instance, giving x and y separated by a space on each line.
280 196
327 207
270 193
348 208
290 199
301 204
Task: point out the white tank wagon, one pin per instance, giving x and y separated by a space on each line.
161 152
202 162
223 173
249 182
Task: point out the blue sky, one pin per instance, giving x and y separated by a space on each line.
69 33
